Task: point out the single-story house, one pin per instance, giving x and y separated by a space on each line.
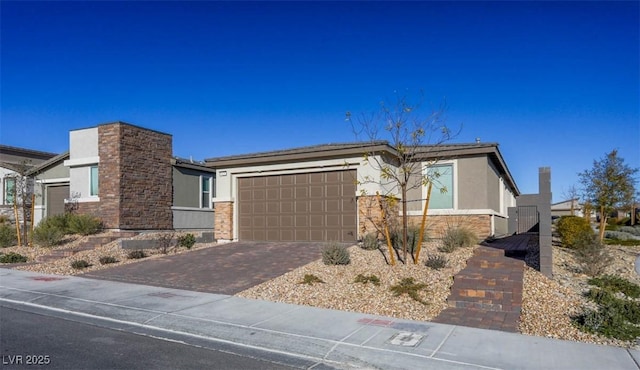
570 207
321 193
13 162
127 176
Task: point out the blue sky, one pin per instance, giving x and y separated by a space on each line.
554 83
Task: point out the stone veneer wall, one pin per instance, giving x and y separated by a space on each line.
223 220
135 183
436 225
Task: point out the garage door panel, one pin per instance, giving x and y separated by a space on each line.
317 206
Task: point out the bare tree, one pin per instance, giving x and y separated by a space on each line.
573 194
608 185
408 129
23 199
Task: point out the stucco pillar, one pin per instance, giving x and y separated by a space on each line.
544 212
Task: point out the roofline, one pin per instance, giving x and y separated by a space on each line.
323 151
48 163
5 148
187 163
121 123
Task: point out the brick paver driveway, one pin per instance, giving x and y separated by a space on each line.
225 269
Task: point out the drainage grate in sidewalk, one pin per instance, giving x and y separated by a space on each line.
406 339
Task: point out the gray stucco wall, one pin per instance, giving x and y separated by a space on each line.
186 187
193 219
472 183
414 194
493 187
54 172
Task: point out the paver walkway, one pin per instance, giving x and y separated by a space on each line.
487 294
224 269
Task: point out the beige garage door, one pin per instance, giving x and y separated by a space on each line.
55 199
319 206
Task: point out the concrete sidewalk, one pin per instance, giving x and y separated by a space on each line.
322 338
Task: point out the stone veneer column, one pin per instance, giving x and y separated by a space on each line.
369 214
223 220
135 179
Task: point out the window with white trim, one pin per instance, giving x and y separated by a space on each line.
93 181
441 175
205 191
9 190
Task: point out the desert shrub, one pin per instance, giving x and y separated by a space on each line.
8 236
165 242
137 254
84 224
614 317
592 255
620 235
409 287
436 261
105 260
80 264
60 222
187 240
310 279
364 279
413 234
12 257
628 243
4 220
615 284
571 228
370 242
457 237
47 234
336 254
634 230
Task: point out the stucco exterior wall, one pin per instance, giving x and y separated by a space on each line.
193 219
472 183
493 188
186 187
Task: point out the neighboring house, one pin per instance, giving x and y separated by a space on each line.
317 193
14 161
565 208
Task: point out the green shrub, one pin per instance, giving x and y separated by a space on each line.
80 264
84 224
310 279
634 230
571 229
370 242
413 234
60 222
12 257
137 254
8 236
592 255
628 243
367 279
105 260
336 254
436 261
187 240
410 287
615 284
47 234
614 317
457 237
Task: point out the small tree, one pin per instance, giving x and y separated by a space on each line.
407 130
22 196
573 194
608 185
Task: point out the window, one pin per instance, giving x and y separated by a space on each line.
94 181
9 190
442 191
205 198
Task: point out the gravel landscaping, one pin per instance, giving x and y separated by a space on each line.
547 306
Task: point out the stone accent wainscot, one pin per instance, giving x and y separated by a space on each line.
223 220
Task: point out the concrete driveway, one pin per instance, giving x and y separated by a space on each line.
224 269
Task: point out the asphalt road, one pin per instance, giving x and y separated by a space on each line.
51 340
